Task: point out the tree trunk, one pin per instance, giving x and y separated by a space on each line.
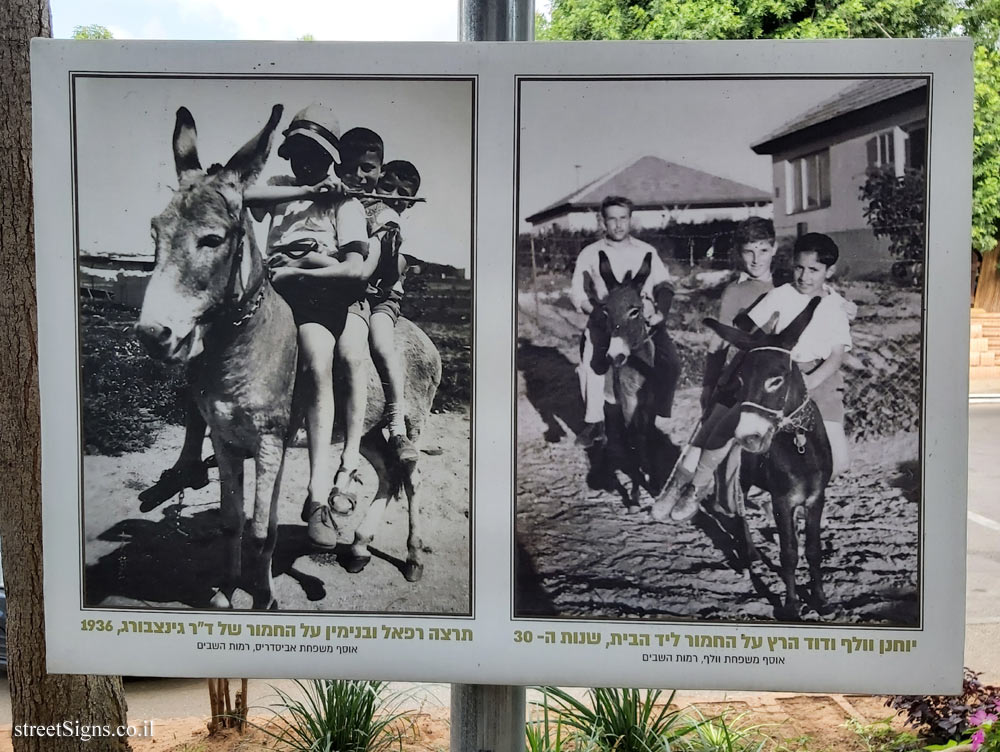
988 287
36 697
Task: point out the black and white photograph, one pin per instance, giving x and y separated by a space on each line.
275 280
720 348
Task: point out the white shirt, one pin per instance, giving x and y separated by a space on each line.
624 256
828 328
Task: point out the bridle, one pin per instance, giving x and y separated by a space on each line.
234 305
798 421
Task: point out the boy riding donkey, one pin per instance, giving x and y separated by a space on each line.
320 261
819 353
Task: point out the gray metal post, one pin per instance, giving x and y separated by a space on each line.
490 718
496 20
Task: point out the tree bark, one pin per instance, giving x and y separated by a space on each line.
988 287
36 697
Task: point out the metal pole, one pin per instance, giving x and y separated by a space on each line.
496 20
486 718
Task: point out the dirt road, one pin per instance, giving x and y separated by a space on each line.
582 555
169 557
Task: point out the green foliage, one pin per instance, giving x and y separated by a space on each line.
882 737
723 734
806 19
92 31
307 38
745 19
986 148
942 718
548 734
339 716
619 720
894 208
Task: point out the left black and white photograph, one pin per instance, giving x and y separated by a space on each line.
275 321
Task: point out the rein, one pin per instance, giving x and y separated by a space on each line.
798 421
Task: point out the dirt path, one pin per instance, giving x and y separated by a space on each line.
582 555
168 557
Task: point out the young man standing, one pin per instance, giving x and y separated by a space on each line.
625 254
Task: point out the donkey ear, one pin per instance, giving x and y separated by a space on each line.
185 143
604 267
249 160
640 276
791 333
741 339
745 323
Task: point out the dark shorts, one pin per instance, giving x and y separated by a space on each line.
332 317
386 303
828 395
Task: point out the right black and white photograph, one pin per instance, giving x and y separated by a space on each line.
719 356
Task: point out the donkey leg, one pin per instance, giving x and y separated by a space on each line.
269 463
414 569
814 555
233 520
373 449
784 517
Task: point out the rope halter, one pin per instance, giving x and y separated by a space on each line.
798 421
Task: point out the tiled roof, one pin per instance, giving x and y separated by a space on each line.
863 94
652 181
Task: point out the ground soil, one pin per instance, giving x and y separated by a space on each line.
169 557
581 554
794 723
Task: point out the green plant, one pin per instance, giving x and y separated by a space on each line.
723 734
880 736
619 720
340 716
894 209
942 718
549 734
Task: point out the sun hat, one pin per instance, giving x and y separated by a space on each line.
317 122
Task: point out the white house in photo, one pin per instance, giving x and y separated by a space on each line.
820 160
661 191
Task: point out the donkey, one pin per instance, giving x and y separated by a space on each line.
618 329
209 304
786 451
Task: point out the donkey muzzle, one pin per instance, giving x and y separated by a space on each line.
618 351
162 344
753 432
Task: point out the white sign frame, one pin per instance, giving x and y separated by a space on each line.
488 645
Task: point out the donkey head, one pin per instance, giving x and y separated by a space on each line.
625 326
771 384
200 264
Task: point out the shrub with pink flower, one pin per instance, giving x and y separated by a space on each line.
986 737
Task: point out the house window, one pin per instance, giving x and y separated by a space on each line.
881 150
916 148
807 182
899 149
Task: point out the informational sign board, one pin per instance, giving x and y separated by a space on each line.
218 221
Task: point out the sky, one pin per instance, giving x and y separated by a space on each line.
326 20
125 163
574 132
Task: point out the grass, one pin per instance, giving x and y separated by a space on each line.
340 716
616 720
880 736
723 734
